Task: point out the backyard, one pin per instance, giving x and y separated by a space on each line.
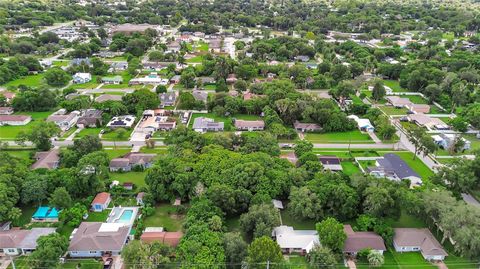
10 132
394 85
137 178
23 263
354 136
162 218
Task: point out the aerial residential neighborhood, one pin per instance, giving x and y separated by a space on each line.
239 134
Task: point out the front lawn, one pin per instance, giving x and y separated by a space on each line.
111 135
394 85
116 153
296 262
23 263
390 110
202 46
353 137
88 131
195 59
137 178
162 218
23 154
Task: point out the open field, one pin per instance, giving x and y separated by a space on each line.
162 218
30 81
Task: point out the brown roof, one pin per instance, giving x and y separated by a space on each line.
423 238
6 109
134 158
7 94
101 198
14 117
357 241
249 124
108 97
168 238
12 238
46 159
97 236
307 126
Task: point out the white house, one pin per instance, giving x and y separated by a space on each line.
363 124
445 141
15 120
295 241
80 78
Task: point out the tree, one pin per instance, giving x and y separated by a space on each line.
264 250
40 135
49 249
421 141
133 66
149 255
305 204
187 78
60 198
73 216
235 249
56 77
302 147
459 124
375 259
260 220
332 234
86 145
41 99
321 257
378 91
140 100
160 89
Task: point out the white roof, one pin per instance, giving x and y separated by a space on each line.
110 227
154 229
277 204
287 237
83 75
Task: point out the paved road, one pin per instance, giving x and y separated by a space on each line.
395 146
104 143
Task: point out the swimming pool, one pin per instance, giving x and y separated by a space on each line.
125 217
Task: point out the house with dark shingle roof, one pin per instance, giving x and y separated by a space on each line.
331 163
393 167
90 118
414 239
357 241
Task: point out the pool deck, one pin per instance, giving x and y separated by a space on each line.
117 212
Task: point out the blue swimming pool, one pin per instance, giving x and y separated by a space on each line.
126 216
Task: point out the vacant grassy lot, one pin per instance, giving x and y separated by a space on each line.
137 178
111 135
339 137
390 110
162 218
30 81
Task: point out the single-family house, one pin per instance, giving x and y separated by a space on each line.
152 79
250 95
64 121
331 163
415 239
47 159
202 124
445 141
95 239
19 242
419 108
428 122
215 45
295 241
130 160
357 241
302 58
363 124
125 121
231 79
112 80
91 118
306 127
100 202
393 167
200 95
168 98
158 234
6 110
175 79
398 102
205 80
118 66
249 125
153 122
108 97
174 46
79 61
80 78
15 120
8 96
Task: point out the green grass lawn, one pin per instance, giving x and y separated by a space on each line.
23 263
228 126
390 110
156 150
339 154
296 223
435 110
389 263
416 99
406 221
89 85
210 87
116 153
202 46
26 217
394 85
137 178
455 262
195 59
88 131
354 136
111 135
417 165
31 81
296 262
23 154
349 168
11 132
60 63
161 218
98 216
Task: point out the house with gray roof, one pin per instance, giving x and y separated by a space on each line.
200 95
108 97
20 242
331 163
90 118
168 98
130 160
47 159
95 239
202 125
422 240
112 80
306 127
357 241
393 167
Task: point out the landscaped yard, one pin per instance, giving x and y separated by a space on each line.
390 110
162 218
137 178
339 137
416 99
98 216
296 262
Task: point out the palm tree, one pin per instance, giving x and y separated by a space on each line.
375 259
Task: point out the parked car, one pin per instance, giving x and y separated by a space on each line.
108 263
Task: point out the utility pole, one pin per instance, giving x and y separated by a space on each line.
268 265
